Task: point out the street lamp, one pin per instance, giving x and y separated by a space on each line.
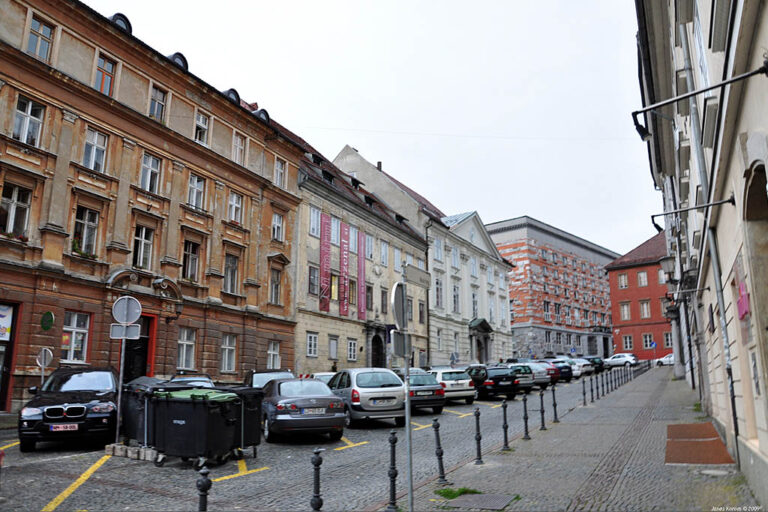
731 200
179 307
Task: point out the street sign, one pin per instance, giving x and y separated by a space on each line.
573 350
124 332
415 275
653 344
400 343
399 302
126 310
44 357
47 320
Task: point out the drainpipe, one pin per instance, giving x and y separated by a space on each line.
426 305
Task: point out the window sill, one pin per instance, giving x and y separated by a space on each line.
74 362
196 210
233 295
80 257
235 225
312 357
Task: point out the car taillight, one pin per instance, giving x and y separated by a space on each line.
410 393
517 381
440 392
355 396
488 383
336 405
287 407
471 383
442 384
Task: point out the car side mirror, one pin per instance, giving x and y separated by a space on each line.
32 390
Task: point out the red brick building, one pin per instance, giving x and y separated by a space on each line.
638 286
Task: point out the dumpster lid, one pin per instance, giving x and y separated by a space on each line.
198 394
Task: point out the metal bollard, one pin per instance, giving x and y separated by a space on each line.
505 426
554 404
584 390
597 385
603 382
439 452
478 437
591 391
316 502
525 418
541 400
392 507
203 486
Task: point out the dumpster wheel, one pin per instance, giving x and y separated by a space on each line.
237 454
159 460
199 463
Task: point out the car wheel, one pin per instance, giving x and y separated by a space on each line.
335 435
348 421
26 445
470 400
400 421
437 410
269 436
627 364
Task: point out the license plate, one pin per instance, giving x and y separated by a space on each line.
457 385
382 401
313 410
423 393
66 426
505 382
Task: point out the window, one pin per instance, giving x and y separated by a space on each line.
186 349
142 247
353 239
489 275
397 256
384 301
190 260
105 75
95 150
474 304
627 340
279 172
231 263
273 355
311 344
335 230
351 349
314 222
455 257
40 40
409 309
368 297
408 259
277 227
235 209
645 309
455 298
352 291
547 314
150 173
333 347
662 277
28 121
157 104
238 149
624 311
491 311
201 128
334 287
86 229
557 313
196 192
314 281
439 337
501 280
420 263
473 266
642 278
14 209
438 292
667 340
548 339
274 286
422 310
368 246
647 341
384 253
228 348
74 339
456 342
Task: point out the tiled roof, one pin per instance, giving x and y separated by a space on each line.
428 208
650 251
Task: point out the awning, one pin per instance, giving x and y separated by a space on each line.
480 324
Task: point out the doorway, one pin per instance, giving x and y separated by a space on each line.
7 335
137 352
377 352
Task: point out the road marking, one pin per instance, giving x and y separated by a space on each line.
77 483
459 414
9 445
350 444
242 470
419 426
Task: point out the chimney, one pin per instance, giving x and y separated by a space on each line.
378 165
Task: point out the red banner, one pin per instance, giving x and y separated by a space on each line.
344 271
325 262
361 298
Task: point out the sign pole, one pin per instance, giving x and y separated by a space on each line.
120 390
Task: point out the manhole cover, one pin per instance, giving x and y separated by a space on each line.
714 472
484 501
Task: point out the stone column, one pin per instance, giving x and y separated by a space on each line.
172 229
122 211
215 272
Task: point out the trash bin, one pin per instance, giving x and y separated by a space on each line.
137 411
195 423
248 431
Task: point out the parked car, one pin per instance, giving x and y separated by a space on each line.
552 370
322 376
400 372
458 385
576 368
425 392
667 360
566 372
622 359
198 380
585 366
477 372
370 393
259 378
499 380
301 405
77 402
597 363
524 377
540 375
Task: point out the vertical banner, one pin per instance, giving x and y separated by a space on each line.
344 271
361 298
325 262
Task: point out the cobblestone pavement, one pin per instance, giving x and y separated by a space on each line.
606 456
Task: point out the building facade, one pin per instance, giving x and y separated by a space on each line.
707 155
638 291
124 174
467 306
558 292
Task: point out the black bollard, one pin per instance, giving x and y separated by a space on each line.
554 405
506 447
439 452
203 486
591 391
584 390
478 437
392 507
317 502
541 401
603 383
525 418
597 385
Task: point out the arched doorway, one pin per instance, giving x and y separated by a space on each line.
378 358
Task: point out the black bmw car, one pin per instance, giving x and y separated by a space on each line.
73 403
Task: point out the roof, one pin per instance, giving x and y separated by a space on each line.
428 208
650 251
452 220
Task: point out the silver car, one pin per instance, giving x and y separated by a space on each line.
540 374
457 383
370 393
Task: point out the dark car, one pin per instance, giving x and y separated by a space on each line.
597 362
301 405
426 392
566 372
73 403
259 378
497 380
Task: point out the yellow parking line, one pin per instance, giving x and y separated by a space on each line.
419 426
77 483
242 471
459 414
11 445
350 444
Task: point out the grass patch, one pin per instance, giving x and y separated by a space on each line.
450 494
697 407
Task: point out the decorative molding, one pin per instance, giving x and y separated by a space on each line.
55 229
118 246
178 166
69 116
129 144
219 184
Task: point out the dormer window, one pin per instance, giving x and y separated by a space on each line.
328 177
369 201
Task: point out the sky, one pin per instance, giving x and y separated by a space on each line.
507 108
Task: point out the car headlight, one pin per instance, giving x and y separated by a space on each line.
103 407
31 411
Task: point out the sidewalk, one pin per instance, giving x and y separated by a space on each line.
606 456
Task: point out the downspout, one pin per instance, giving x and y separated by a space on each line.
426 305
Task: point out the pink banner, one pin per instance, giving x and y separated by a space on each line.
325 262
361 299
344 271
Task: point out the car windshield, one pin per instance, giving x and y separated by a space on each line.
521 369
377 380
422 380
86 381
455 376
261 379
294 388
324 378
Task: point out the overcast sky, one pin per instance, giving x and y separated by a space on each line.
505 107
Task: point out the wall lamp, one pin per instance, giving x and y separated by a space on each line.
179 308
731 200
646 135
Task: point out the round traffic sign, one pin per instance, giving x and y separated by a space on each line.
47 320
44 357
126 310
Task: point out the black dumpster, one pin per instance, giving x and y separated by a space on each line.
197 423
248 431
137 410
